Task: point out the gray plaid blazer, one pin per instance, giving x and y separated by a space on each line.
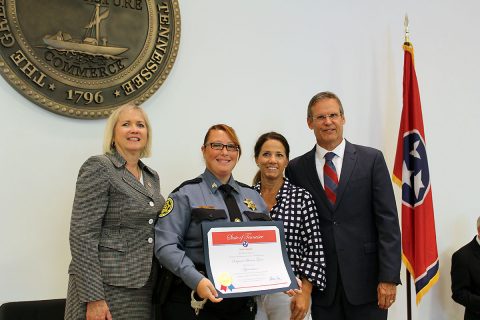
112 226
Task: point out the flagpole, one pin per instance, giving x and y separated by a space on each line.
409 296
407 33
409 285
419 254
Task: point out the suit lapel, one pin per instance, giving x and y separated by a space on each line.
312 174
148 184
349 161
475 247
129 179
135 184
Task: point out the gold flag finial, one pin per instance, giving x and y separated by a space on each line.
407 33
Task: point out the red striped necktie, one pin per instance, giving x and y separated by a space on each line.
330 178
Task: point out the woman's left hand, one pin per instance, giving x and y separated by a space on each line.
293 292
300 303
299 306
206 290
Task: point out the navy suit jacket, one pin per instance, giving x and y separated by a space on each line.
466 279
361 233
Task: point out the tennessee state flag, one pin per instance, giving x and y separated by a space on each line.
410 172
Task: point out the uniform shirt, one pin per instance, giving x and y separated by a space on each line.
295 207
178 236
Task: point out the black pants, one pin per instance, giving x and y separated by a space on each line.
177 307
342 309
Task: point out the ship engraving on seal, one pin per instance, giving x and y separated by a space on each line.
91 41
84 58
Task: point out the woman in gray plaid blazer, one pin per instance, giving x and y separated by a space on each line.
117 200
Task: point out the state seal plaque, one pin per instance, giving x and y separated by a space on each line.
84 58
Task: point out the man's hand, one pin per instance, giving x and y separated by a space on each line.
98 310
386 293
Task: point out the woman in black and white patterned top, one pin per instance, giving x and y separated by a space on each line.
296 208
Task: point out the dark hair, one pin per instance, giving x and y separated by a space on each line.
261 141
229 130
322 96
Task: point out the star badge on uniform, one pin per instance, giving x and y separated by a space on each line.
250 204
167 208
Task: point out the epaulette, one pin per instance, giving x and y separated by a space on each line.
192 181
244 185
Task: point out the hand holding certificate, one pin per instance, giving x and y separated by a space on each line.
246 259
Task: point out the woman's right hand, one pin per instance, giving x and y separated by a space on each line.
98 310
206 290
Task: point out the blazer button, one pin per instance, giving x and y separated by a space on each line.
151 204
150 240
150 221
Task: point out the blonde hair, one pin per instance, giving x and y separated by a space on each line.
108 138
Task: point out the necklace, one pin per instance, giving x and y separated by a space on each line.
269 194
139 173
136 172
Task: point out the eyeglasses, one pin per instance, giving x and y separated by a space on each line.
219 146
323 117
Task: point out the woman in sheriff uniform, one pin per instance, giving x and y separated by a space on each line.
178 236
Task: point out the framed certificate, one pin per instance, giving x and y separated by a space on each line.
248 258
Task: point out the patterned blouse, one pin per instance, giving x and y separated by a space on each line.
295 207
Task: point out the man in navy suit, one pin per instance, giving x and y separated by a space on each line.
358 218
466 277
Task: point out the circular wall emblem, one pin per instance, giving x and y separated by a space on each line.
84 58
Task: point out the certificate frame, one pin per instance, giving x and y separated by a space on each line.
246 257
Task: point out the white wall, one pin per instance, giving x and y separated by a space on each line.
254 65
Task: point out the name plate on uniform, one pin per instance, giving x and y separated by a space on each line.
247 259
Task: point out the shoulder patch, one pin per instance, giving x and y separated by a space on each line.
193 181
167 208
244 185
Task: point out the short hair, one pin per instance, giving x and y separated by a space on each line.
229 130
272 135
478 223
108 138
322 96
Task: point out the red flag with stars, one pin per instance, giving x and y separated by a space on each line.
410 172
